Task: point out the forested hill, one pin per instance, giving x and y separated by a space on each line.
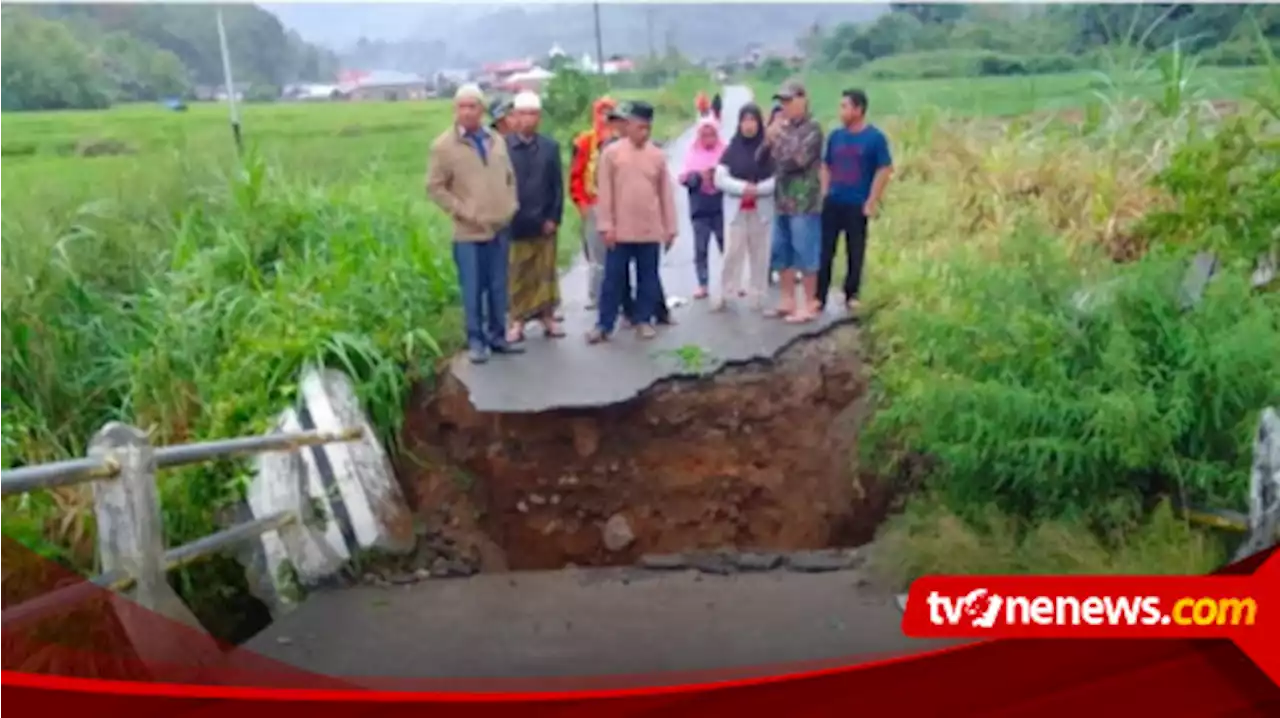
922 40
83 56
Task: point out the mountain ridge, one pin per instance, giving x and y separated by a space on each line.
504 31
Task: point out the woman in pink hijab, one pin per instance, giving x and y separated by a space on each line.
706 203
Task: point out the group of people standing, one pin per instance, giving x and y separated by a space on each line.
785 193
772 199
505 196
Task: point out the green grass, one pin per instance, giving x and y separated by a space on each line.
1005 96
1046 427
930 539
173 287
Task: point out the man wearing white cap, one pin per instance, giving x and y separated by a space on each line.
534 284
469 175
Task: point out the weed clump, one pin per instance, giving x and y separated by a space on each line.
929 538
258 277
98 147
1054 423
1046 411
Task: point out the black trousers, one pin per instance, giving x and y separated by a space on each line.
848 220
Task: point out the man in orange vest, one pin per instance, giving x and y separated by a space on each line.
702 103
582 189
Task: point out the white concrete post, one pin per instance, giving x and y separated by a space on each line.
313 545
380 517
1264 487
131 540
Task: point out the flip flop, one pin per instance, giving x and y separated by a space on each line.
555 332
778 312
800 318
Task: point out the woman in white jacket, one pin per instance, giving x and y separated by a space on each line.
745 176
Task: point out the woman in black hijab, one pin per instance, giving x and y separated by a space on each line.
745 176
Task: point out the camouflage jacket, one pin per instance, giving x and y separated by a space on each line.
798 155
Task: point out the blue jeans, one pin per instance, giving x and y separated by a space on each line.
661 313
797 243
617 267
482 276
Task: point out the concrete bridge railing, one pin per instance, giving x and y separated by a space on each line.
322 489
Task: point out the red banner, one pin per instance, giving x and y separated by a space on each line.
1197 668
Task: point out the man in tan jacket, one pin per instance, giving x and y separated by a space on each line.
469 176
636 215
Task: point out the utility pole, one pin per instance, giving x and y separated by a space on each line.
648 22
231 88
599 41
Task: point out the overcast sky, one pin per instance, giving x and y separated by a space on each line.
340 24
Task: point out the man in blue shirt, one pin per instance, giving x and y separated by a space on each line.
855 170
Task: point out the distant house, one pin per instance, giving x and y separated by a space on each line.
756 54
311 92
445 82
616 64
533 80
752 56
453 77
350 78
496 74
385 85
793 56
218 93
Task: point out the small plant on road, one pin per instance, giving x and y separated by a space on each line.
690 357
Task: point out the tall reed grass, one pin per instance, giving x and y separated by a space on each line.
1033 346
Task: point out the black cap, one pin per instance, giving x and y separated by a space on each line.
499 109
642 111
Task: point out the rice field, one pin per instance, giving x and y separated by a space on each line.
1024 94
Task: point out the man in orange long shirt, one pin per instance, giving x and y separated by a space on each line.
582 189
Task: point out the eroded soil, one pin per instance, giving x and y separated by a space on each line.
757 456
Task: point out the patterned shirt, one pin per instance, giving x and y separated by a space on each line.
798 154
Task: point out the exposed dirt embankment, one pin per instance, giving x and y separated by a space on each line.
757 456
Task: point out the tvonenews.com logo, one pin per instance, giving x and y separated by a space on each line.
983 609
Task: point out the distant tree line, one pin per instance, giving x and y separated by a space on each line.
953 40
90 56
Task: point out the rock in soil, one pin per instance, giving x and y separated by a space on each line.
663 561
714 563
458 567
617 533
756 561
824 560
